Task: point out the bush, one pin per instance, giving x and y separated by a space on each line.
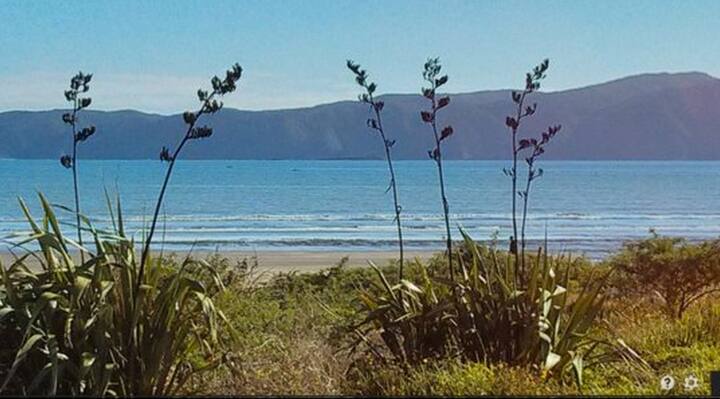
74 329
678 272
484 316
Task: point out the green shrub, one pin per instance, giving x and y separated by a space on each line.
74 329
678 272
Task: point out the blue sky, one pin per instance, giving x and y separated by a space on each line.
153 55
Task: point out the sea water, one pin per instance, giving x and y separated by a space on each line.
581 207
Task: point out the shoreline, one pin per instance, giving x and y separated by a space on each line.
310 261
288 261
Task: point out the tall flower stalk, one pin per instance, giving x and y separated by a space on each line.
375 123
79 84
538 148
431 74
209 105
532 84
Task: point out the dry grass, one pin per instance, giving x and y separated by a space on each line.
300 365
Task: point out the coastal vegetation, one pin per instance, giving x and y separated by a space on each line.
532 84
73 328
375 123
431 75
677 272
111 325
290 333
79 84
295 338
209 105
476 319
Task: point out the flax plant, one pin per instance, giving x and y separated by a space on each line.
375 123
538 148
74 329
431 74
532 84
209 105
480 317
79 84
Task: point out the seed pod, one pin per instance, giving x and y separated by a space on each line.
443 101
84 134
66 161
216 83
441 81
165 155
446 132
200 132
189 117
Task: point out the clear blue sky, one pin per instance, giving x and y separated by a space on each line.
153 55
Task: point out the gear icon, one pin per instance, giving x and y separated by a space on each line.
691 382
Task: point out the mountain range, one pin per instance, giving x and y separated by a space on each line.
651 116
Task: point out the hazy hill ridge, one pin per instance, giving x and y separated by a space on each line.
651 116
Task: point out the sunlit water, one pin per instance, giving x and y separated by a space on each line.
588 207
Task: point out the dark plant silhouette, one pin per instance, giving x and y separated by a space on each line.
431 74
210 105
532 84
538 148
375 123
79 84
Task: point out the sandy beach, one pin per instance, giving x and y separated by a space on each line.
313 261
286 261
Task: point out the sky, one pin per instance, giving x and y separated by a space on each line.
154 55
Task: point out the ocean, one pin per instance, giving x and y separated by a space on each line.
580 206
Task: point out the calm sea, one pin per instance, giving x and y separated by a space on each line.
589 207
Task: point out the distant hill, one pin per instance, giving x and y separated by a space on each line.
651 116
